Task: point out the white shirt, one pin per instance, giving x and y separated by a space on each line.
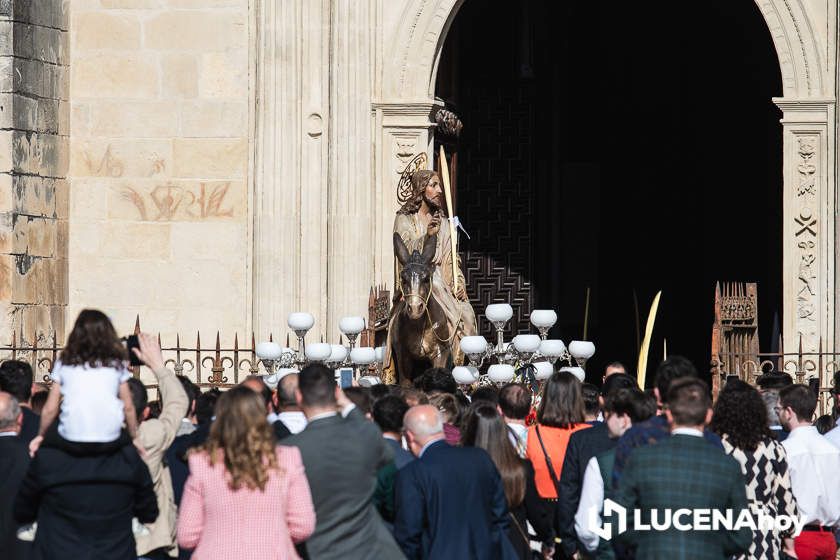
833 435
687 432
814 464
294 420
591 496
7 434
518 435
91 410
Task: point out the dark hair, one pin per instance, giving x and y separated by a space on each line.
673 368
689 401
590 394
484 428
139 396
205 404
801 399
741 415
515 401
419 181
439 380
616 365
774 380
38 400
824 424
632 402
316 383
360 396
94 342
486 394
154 409
378 391
388 413
16 379
562 402
191 390
618 381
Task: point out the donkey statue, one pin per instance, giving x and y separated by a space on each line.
419 334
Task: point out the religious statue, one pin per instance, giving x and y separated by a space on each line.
427 322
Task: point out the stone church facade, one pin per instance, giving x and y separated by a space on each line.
217 164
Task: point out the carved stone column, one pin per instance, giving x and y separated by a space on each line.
809 202
404 130
290 166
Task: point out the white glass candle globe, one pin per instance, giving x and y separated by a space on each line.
351 325
498 312
337 353
464 375
473 345
526 342
577 371
268 351
363 355
318 351
300 321
500 373
552 348
544 370
380 354
543 318
581 349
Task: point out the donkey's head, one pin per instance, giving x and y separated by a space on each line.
416 274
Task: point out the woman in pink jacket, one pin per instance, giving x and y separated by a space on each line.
245 497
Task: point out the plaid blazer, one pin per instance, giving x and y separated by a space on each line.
682 471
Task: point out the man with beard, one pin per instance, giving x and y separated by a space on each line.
423 214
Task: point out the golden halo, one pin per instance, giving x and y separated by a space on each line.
404 186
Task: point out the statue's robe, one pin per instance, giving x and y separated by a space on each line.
460 315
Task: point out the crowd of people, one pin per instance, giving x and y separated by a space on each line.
304 469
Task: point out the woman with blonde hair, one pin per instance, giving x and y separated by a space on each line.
245 497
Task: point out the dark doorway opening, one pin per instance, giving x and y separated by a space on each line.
622 148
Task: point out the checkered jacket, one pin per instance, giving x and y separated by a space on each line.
682 471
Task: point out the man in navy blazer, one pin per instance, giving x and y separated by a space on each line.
450 501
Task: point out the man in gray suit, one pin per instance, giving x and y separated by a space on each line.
342 456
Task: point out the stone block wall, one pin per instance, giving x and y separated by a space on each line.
158 164
34 130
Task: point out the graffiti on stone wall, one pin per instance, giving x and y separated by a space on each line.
106 166
171 202
110 164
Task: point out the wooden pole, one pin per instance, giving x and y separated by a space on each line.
453 235
586 315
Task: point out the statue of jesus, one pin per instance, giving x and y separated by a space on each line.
422 214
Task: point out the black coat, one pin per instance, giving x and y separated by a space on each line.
14 460
84 505
583 445
451 504
31 425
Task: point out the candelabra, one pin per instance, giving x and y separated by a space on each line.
524 351
278 360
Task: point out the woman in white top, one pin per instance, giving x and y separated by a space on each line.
90 381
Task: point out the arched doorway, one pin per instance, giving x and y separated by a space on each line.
599 156
405 105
